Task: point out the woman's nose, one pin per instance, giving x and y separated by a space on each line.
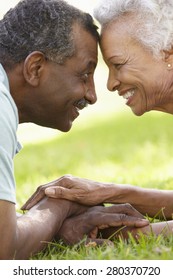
112 83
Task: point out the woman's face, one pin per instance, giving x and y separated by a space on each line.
133 71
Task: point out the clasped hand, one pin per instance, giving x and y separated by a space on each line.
97 218
84 191
90 193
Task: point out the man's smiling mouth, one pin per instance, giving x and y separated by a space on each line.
81 104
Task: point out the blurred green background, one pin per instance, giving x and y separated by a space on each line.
107 143
117 147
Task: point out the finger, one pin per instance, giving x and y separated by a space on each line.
115 220
34 199
93 233
55 192
60 192
124 209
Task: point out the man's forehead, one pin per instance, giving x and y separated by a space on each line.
85 44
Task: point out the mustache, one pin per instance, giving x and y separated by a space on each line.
82 103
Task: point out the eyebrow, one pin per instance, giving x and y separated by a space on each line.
114 56
91 64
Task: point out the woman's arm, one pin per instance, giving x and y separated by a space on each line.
164 228
151 202
88 192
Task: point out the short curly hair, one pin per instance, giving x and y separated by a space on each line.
41 25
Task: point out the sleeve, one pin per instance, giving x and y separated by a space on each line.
7 182
8 145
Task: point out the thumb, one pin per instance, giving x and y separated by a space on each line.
55 192
61 192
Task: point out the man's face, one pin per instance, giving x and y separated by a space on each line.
64 88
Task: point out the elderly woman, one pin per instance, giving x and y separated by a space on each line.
136 43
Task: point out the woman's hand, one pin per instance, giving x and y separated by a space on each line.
72 188
98 218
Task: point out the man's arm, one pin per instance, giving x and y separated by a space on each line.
26 235
21 237
88 192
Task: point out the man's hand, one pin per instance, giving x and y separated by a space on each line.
76 189
97 218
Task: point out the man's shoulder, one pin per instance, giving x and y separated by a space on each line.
8 117
4 84
8 107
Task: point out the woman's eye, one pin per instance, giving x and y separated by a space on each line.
117 66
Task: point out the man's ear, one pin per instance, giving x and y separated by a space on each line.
33 67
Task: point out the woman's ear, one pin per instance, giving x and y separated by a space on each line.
168 58
33 67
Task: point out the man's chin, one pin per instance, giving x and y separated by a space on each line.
65 128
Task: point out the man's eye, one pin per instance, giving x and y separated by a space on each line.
86 75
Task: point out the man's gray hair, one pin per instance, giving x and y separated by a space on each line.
41 25
151 20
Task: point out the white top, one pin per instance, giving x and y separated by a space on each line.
9 145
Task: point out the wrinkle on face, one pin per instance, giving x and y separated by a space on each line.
133 66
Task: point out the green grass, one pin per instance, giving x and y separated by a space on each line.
151 248
120 148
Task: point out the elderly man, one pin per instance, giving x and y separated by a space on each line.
48 54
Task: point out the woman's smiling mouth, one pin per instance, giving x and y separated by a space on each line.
127 95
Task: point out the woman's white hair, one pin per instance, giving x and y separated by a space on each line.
152 20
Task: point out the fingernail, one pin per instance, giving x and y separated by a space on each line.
145 221
50 191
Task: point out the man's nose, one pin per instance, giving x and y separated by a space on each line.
91 94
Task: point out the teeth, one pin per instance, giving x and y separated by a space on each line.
128 94
77 108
